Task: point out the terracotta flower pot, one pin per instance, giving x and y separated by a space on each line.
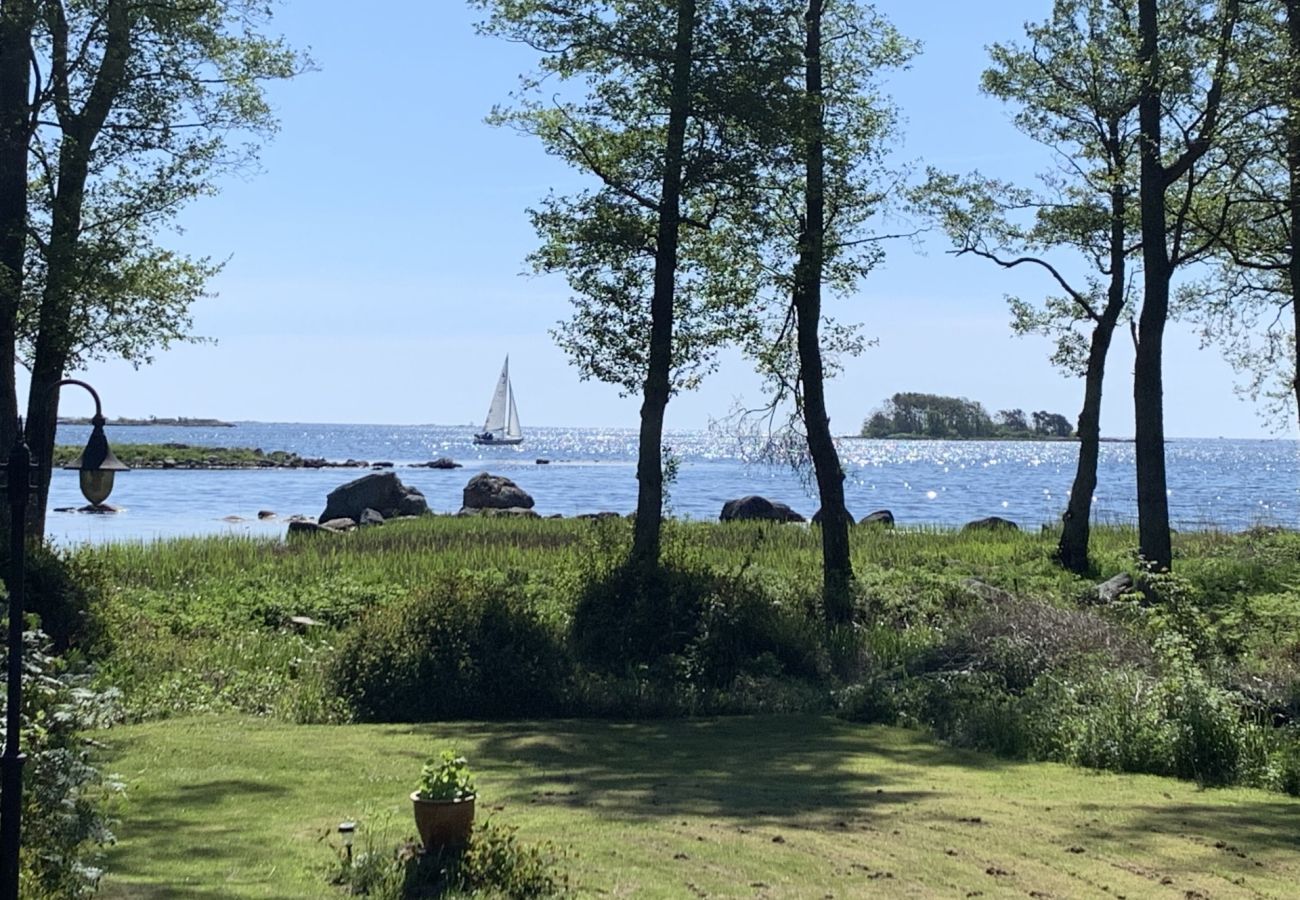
443 823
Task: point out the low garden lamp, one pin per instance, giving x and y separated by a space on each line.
348 831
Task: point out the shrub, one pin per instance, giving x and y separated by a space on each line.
493 864
691 623
62 590
462 647
64 818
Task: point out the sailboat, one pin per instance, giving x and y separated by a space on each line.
502 423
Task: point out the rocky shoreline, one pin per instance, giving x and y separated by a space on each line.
177 422
191 457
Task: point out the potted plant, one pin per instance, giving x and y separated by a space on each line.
444 802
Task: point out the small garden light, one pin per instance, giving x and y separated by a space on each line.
348 832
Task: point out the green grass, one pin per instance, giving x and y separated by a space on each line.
229 807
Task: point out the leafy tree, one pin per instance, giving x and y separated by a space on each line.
820 191
17 22
1074 84
1012 420
134 115
930 415
1249 305
1190 59
669 119
1050 424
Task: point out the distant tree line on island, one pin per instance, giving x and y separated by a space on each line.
916 415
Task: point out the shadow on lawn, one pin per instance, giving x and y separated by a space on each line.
1263 826
755 769
168 826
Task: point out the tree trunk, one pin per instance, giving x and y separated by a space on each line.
649 469
1148 387
1072 551
17 19
837 566
79 130
1292 120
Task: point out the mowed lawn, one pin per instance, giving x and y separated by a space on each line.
229 807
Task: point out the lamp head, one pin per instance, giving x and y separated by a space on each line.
347 831
97 465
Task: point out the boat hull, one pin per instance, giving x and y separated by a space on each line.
500 442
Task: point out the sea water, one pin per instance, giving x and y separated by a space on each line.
1213 483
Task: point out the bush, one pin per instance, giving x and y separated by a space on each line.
494 864
64 820
462 647
693 624
62 590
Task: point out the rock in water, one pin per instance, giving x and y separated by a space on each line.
381 491
755 507
486 491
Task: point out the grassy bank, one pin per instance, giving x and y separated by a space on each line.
226 807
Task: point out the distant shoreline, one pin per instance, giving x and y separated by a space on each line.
178 422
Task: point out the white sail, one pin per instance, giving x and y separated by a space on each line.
512 422
496 417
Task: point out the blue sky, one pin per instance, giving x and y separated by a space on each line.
374 262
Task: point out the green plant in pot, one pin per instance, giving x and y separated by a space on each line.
444 802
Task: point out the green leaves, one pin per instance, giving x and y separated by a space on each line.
447 778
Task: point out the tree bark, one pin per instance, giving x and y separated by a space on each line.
649 471
1292 120
1072 550
837 565
17 20
1148 387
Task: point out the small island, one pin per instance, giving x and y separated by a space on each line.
176 422
187 456
917 416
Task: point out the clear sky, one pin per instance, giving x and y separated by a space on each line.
374 262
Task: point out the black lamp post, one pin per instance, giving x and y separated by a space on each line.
97 464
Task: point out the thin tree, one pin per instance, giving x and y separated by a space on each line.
1249 306
17 22
1187 93
1075 88
668 126
822 192
133 119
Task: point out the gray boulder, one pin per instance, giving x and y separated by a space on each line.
486 491
371 517
381 492
342 523
758 508
882 517
817 517
992 523
306 526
